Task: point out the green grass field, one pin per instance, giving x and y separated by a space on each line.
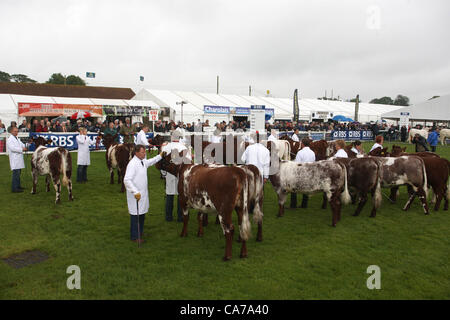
301 256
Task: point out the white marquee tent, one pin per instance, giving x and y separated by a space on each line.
309 108
437 109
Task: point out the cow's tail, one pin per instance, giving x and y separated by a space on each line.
448 182
65 180
378 195
288 153
345 195
245 228
425 182
257 211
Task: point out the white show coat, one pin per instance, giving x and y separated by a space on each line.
356 151
341 154
171 180
141 138
272 138
14 148
305 155
259 156
216 139
295 138
136 182
376 145
84 156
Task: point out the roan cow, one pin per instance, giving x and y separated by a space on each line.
55 164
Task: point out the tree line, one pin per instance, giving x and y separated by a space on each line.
56 78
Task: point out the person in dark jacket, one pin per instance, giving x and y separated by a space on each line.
420 142
403 133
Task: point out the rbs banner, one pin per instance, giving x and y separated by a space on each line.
352 135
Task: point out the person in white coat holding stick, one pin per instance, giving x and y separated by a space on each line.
84 156
15 149
135 181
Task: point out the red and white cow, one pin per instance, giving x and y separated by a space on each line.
54 163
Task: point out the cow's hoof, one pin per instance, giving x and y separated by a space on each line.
333 225
372 216
258 239
355 214
183 235
243 256
280 215
58 202
226 258
427 213
71 199
199 234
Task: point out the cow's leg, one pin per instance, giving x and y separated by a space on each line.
281 201
69 189
47 183
205 219
324 201
335 208
217 219
122 175
373 213
243 254
185 220
393 195
111 174
200 224
422 196
35 180
57 185
445 199
362 202
412 195
228 229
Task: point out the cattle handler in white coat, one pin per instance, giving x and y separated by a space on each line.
259 156
171 180
15 149
304 155
137 190
141 137
84 156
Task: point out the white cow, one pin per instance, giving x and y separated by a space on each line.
413 131
283 148
444 134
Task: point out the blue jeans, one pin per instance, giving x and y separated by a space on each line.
81 173
169 208
134 226
16 180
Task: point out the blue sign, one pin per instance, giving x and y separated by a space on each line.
352 135
256 106
241 110
69 141
216 109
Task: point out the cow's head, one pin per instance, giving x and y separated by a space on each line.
157 141
108 139
397 151
380 152
40 141
167 164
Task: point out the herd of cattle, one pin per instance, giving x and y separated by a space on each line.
222 189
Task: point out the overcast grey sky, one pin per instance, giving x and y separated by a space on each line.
374 48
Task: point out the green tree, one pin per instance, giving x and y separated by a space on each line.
58 78
384 100
5 77
401 100
22 78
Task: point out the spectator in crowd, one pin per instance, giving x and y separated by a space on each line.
433 138
2 127
23 125
420 142
378 143
63 127
403 133
35 125
127 131
13 125
111 130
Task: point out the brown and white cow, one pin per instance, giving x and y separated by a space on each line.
117 157
364 176
55 164
213 188
326 176
409 171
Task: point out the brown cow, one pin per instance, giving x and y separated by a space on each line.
364 176
117 157
54 163
213 188
326 176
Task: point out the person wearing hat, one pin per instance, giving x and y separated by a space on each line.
15 149
171 180
84 156
433 138
127 131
